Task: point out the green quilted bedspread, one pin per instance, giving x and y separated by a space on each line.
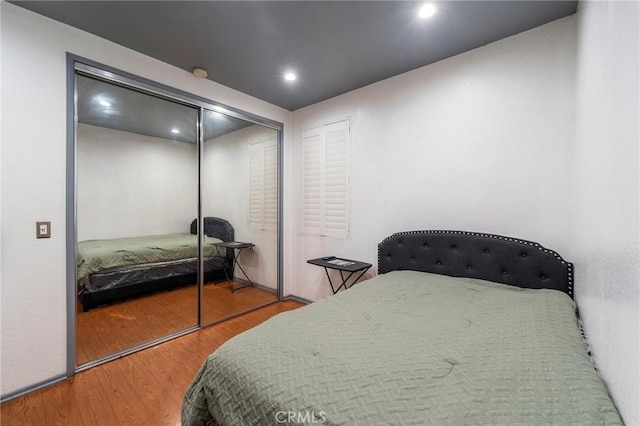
408 348
99 255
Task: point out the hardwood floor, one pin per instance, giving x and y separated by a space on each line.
109 329
144 388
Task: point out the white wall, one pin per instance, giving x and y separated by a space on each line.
226 195
606 220
475 142
130 184
33 57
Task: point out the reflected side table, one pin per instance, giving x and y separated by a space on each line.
233 246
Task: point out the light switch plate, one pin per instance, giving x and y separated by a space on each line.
43 229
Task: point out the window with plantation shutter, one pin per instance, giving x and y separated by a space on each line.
263 185
325 180
270 184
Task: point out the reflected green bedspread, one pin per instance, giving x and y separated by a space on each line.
98 255
408 348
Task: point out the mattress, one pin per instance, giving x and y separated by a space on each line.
148 272
106 254
408 348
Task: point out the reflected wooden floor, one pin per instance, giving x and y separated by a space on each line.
144 388
109 329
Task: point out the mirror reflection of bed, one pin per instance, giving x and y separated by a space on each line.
137 197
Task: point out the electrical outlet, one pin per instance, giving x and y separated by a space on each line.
43 229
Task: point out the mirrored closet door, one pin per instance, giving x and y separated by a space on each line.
239 186
174 218
136 198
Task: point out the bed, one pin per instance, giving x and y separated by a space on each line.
110 270
458 328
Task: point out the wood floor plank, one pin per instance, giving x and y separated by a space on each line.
155 398
7 415
173 373
62 408
128 410
93 402
28 410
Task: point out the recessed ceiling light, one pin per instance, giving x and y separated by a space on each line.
175 131
104 103
290 76
427 10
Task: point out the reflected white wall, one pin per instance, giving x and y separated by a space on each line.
225 194
132 185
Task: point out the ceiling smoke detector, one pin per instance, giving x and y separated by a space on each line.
200 72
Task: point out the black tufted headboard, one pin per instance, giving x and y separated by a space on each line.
471 254
215 227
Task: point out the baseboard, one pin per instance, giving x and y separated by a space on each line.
37 386
255 284
297 298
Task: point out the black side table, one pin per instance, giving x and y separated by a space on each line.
233 245
342 265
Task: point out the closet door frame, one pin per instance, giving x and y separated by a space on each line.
81 66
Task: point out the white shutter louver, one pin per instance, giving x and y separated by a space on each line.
270 184
312 177
256 185
325 180
263 185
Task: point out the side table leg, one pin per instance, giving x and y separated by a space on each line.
234 262
359 276
330 282
235 259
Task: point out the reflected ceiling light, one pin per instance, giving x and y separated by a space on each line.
104 103
427 10
290 76
175 131
200 72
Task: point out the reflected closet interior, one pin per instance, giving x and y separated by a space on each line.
162 186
